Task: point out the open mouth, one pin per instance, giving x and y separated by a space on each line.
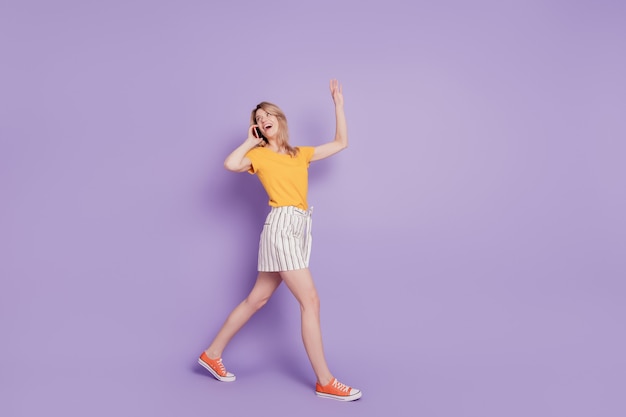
267 126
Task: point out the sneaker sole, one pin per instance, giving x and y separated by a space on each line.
215 374
340 397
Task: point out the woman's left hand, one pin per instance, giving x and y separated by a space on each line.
336 92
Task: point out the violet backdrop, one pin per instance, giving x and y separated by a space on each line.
469 245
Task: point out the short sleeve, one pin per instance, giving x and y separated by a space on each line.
307 153
253 156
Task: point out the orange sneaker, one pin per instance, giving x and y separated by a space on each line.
216 367
337 391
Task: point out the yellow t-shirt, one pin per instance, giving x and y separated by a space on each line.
285 178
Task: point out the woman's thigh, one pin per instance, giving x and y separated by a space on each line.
265 285
300 283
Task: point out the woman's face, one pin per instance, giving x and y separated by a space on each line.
268 123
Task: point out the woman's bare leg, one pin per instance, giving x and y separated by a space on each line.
266 284
300 283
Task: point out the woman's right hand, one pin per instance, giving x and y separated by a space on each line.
237 161
252 139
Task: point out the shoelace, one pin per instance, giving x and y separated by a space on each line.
221 365
340 386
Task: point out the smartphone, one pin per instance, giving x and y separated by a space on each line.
258 134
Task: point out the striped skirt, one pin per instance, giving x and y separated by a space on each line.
285 242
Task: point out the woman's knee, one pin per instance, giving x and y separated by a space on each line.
256 301
310 301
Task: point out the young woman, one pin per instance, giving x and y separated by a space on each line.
286 237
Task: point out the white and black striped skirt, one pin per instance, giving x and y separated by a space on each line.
285 242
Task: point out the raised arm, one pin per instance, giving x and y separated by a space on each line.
237 161
341 130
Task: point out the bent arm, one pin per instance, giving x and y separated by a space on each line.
237 161
341 129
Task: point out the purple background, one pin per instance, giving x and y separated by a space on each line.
469 246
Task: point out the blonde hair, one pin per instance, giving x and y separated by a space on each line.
283 131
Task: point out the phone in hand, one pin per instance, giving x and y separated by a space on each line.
258 134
